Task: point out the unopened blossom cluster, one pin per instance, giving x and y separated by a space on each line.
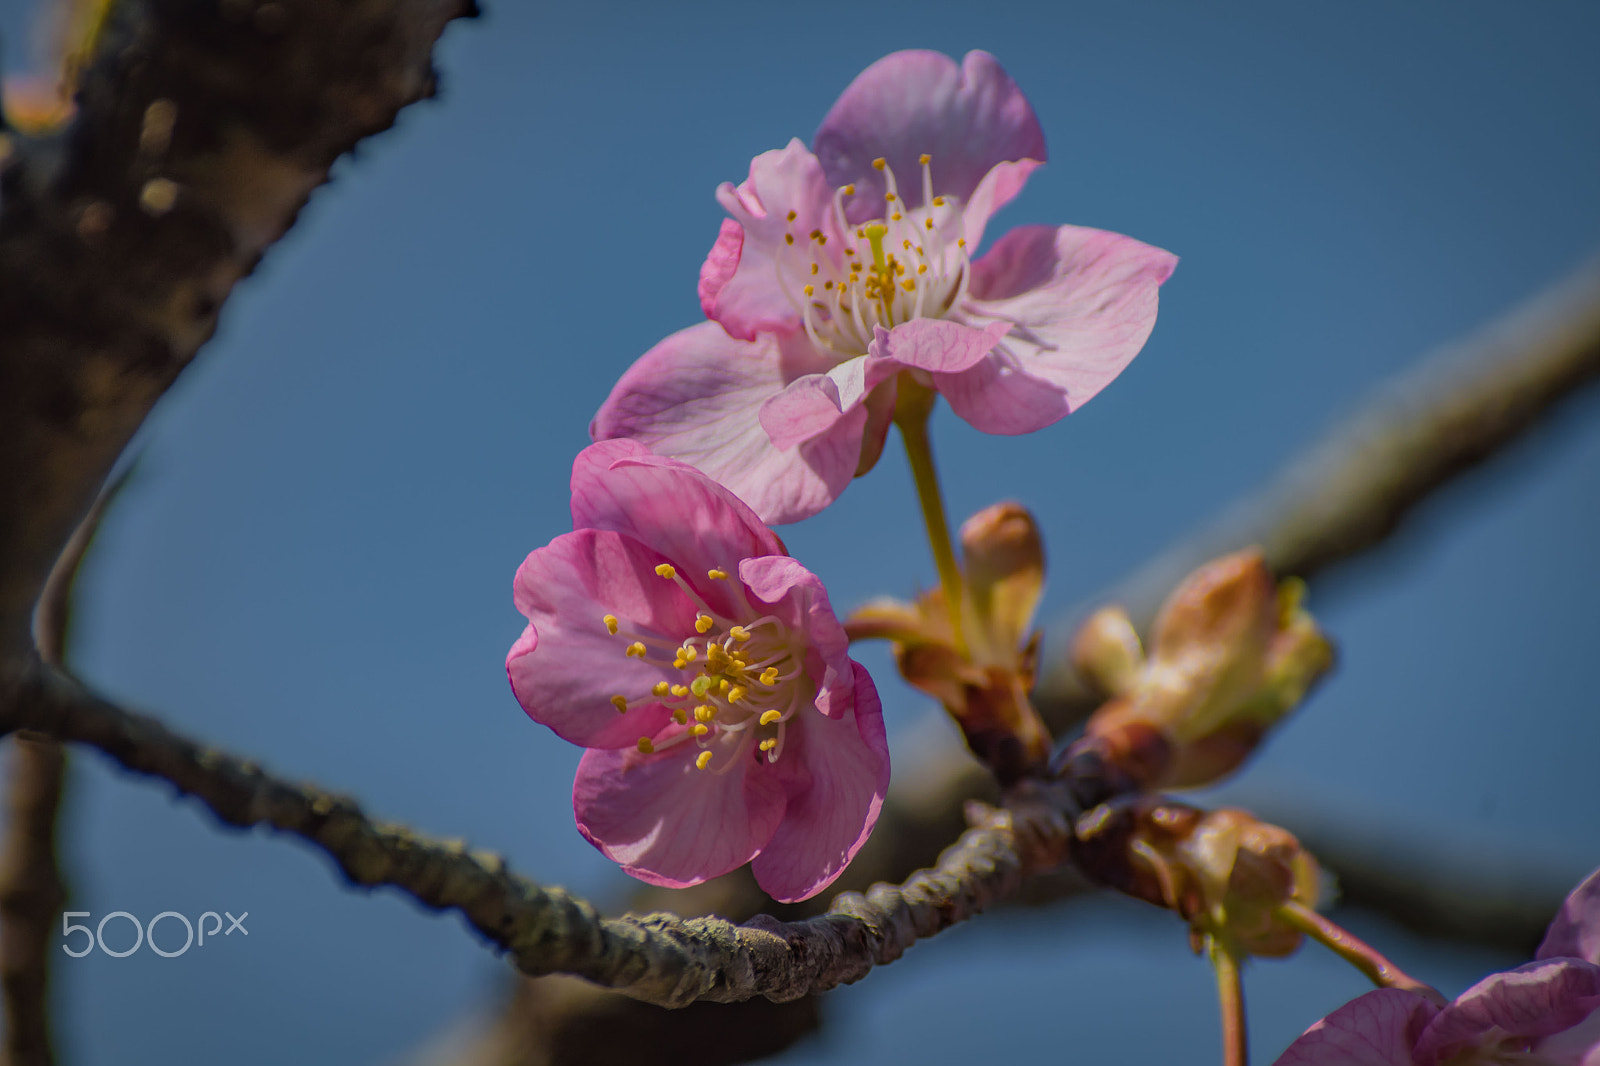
708 677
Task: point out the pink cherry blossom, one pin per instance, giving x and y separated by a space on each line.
844 265
672 636
1546 1013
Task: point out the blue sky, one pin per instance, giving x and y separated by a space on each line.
313 562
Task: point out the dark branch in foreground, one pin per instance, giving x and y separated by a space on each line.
659 958
201 131
1347 493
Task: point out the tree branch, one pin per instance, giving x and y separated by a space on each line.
659 958
1348 493
201 131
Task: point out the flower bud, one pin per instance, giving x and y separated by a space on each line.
1224 872
1232 654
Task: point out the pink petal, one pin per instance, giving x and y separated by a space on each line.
566 666
1532 1001
1377 1029
937 345
669 823
1083 302
797 598
722 262
996 190
968 118
697 396
1575 933
1578 1046
748 298
997 395
817 403
836 771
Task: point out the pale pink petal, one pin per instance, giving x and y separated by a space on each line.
997 189
880 416
670 823
937 345
968 118
566 666
1575 933
1578 1046
697 396
818 402
748 298
1530 1002
836 771
1377 1029
1082 301
722 262
998 396
797 598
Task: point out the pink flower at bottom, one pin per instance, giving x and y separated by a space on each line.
843 266
1546 1013
672 636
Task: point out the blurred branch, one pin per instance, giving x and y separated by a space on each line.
201 129
1349 492
31 896
32 889
660 958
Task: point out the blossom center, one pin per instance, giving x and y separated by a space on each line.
911 262
737 681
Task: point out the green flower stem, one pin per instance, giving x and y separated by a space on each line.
1230 994
1357 952
912 408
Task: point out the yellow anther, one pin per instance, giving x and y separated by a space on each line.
849 190
705 713
724 685
635 650
645 747
924 158
680 691
680 716
660 689
788 238
809 290
766 745
769 676
889 197
699 730
702 760
815 234
928 222
827 285
961 242
922 269
688 653
814 268
702 623
700 686
620 703
880 162
791 216
908 285
906 245
611 624
716 657
736 693
768 717
739 633
938 201
666 570
896 217
717 575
